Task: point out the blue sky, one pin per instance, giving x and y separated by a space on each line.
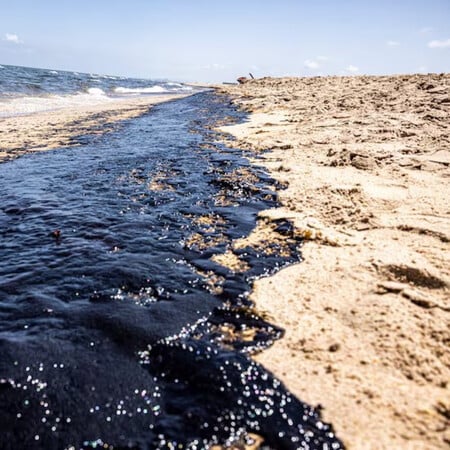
199 40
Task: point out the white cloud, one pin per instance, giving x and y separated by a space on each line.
311 64
322 58
422 69
439 44
11 37
393 43
352 69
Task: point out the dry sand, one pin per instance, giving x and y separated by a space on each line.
366 161
62 127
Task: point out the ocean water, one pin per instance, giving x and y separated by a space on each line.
25 90
117 329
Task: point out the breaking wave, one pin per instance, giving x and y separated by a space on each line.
141 90
96 91
25 90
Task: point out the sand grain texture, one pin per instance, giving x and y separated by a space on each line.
366 161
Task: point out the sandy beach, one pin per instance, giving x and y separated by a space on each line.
366 165
61 127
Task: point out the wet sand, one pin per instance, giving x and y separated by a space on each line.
366 162
46 130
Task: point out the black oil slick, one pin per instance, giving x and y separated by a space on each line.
121 331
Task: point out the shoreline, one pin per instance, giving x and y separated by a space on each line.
367 318
46 130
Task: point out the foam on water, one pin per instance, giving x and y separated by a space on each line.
96 91
145 90
172 87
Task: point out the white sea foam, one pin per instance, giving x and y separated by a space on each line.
174 87
53 72
146 90
1 67
96 91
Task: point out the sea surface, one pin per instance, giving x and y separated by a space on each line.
25 90
117 329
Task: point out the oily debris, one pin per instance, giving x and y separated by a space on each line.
231 261
212 281
201 242
250 441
